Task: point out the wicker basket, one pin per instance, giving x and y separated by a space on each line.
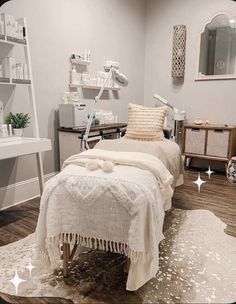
231 171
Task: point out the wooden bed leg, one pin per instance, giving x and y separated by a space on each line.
126 265
226 168
66 257
73 251
187 161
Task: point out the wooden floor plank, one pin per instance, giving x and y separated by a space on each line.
217 195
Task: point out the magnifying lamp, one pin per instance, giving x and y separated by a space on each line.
118 78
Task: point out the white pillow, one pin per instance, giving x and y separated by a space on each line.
145 123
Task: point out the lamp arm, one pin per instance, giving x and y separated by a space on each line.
90 120
103 87
164 101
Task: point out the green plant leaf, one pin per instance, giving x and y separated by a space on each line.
18 120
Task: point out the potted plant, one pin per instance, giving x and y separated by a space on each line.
19 121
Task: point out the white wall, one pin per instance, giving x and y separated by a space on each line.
212 100
111 29
138 34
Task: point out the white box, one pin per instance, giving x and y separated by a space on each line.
5 68
9 24
15 31
9 67
19 31
13 26
2 29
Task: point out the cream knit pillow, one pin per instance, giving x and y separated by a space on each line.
145 123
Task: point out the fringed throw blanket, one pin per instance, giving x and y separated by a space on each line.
121 210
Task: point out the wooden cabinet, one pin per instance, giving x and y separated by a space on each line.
212 142
71 140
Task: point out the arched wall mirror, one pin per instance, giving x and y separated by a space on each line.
217 51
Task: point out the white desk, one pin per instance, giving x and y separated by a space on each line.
17 146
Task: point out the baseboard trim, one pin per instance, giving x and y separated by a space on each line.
21 192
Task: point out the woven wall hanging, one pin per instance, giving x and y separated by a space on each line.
178 52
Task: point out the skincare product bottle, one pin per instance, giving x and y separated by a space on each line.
1 112
73 76
3 131
86 55
89 55
10 133
9 67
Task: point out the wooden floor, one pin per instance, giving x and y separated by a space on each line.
217 195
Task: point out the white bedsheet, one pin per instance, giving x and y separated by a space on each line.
125 208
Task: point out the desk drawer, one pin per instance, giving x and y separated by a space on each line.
218 143
195 141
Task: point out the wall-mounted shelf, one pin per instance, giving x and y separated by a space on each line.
21 81
13 82
18 146
14 147
80 62
93 87
5 80
12 40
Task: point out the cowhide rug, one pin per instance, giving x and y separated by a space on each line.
197 265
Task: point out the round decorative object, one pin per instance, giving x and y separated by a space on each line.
231 171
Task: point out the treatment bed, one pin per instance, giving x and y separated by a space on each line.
111 198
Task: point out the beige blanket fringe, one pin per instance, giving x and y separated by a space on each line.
90 242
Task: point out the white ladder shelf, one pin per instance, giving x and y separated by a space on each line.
15 147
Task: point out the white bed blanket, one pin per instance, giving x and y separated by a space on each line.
166 150
121 211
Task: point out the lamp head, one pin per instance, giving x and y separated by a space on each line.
119 78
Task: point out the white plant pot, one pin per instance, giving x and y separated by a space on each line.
18 132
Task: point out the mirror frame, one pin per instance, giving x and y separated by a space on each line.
212 77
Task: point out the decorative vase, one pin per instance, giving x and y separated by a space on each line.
231 170
18 132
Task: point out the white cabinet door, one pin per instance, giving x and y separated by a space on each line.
195 141
69 145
